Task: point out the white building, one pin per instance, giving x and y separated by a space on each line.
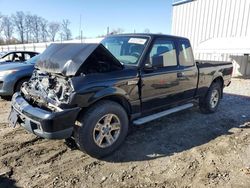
218 30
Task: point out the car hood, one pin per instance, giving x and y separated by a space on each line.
67 59
14 66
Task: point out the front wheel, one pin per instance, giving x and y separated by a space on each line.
19 84
212 100
102 129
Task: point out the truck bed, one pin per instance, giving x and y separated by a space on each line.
208 70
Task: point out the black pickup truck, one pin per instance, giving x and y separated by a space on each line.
94 92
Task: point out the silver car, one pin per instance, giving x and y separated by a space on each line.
13 75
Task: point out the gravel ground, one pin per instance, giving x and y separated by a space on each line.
187 149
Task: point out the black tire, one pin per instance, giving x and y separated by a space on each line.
7 98
19 84
206 105
85 135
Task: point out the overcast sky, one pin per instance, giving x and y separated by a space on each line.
129 15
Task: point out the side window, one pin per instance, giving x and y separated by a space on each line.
163 53
32 54
17 57
27 56
186 57
8 57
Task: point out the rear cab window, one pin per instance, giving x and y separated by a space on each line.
186 57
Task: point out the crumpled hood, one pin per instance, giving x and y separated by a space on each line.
67 59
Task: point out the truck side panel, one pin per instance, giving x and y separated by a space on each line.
209 71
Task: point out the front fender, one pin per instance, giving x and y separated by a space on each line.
111 91
94 94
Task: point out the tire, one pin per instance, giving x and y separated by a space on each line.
19 84
7 98
95 127
210 103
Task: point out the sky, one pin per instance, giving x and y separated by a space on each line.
97 15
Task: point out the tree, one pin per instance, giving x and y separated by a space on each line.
117 31
23 27
7 28
66 33
28 25
35 28
54 28
1 24
1 28
146 30
19 21
44 29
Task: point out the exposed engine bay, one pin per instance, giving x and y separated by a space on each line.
52 91
47 90
50 86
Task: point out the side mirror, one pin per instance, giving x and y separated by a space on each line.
149 68
157 61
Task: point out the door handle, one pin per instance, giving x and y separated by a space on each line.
180 74
132 82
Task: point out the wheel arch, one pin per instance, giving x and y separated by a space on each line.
220 80
19 80
111 94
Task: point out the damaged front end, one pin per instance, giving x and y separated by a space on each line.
44 105
50 86
48 91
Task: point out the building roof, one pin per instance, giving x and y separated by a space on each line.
179 2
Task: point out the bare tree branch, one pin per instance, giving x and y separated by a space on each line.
66 33
8 28
117 31
31 28
19 20
146 30
54 28
1 22
44 29
28 25
35 28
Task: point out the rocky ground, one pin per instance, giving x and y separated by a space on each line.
187 149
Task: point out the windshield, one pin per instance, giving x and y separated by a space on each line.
32 60
126 49
2 54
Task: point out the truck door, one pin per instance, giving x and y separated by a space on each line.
169 75
188 72
160 82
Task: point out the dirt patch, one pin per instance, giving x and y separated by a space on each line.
188 149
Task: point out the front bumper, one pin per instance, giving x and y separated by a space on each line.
45 124
6 86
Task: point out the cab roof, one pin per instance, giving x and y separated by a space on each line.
151 35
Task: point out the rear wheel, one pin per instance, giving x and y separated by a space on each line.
102 129
212 100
